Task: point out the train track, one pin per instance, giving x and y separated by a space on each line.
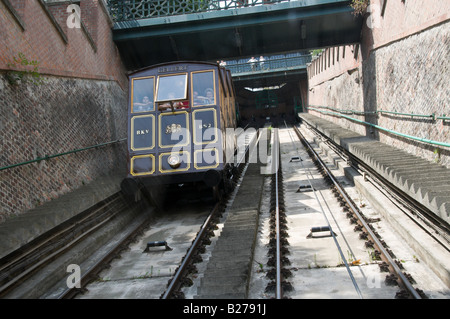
278 244
188 233
151 255
367 232
295 199
418 213
279 269
22 266
142 263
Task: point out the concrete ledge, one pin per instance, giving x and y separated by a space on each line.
424 181
16 232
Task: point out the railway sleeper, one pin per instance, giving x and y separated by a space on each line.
384 266
283 233
272 273
284 261
284 251
285 285
273 242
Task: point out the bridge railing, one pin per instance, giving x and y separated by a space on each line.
126 10
269 63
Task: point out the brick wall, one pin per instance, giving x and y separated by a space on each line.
60 50
401 65
81 102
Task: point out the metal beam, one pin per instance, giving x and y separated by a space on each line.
220 20
226 34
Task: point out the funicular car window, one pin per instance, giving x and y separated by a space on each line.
171 88
142 94
203 88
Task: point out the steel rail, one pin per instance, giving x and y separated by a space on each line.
385 255
275 157
338 246
175 284
329 209
424 218
71 292
25 252
62 245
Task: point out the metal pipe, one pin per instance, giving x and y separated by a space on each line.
47 157
432 116
407 114
343 111
423 140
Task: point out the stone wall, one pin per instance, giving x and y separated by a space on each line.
79 100
401 65
61 115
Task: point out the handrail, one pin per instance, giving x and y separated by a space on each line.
344 111
47 157
423 140
443 117
269 64
432 116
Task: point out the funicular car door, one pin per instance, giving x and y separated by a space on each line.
205 119
142 126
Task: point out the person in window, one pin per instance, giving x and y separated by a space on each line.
204 100
198 100
146 105
173 105
182 105
209 99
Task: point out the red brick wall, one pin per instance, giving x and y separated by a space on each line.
41 41
81 102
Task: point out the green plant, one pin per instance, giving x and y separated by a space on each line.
315 261
437 153
359 6
31 72
316 52
260 265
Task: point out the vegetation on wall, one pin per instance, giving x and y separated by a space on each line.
25 71
360 6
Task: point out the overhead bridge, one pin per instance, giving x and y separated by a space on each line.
266 71
153 31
